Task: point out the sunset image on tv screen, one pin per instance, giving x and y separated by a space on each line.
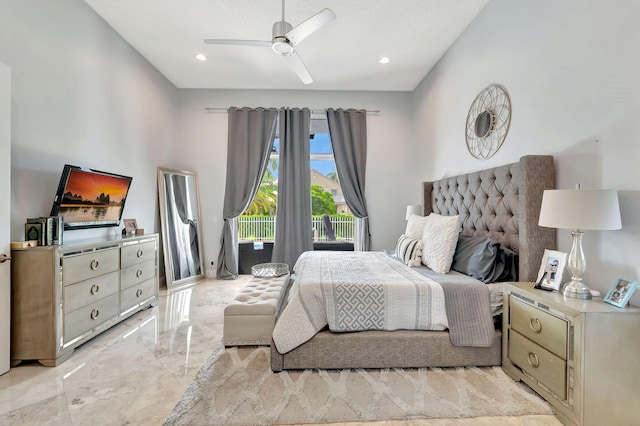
92 197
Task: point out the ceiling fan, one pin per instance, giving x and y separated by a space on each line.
285 37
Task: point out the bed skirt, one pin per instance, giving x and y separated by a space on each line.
385 349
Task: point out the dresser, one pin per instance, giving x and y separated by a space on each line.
63 296
582 356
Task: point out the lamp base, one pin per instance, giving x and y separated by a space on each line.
576 289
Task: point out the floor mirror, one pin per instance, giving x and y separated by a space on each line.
181 230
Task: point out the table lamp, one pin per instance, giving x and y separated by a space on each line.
579 210
412 209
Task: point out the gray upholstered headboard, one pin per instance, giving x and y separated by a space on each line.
502 203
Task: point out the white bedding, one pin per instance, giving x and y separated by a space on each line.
352 291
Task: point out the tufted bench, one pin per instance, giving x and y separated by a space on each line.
250 318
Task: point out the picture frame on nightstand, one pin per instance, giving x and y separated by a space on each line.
551 270
620 292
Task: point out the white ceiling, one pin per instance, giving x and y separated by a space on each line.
343 55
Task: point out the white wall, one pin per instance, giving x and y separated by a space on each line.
203 138
572 71
83 96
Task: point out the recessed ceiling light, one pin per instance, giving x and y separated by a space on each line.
201 57
384 60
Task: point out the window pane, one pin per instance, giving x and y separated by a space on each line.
320 144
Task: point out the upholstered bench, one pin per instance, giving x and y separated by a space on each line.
250 318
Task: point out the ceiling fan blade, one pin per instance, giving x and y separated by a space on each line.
260 43
298 67
317 21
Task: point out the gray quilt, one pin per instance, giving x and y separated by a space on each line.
355 291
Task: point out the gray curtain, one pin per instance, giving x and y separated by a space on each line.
251 133
348 130
293 214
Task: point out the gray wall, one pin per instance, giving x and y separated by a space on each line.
571 69
83 96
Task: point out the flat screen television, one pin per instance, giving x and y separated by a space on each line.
89 198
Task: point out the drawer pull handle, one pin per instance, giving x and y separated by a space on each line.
533 360
95 289
139 293
140 253
139 273
94 264
94 314
535 325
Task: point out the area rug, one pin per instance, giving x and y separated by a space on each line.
237 387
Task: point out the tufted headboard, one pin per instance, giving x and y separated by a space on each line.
502 203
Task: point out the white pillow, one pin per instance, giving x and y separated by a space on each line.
415 226
439 240
409 250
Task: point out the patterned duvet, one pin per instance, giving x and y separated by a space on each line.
355 291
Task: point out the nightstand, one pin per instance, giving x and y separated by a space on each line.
582 356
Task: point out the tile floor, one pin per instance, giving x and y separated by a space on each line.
135 372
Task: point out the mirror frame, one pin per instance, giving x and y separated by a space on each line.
169 254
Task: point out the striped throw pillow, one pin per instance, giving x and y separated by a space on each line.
409 250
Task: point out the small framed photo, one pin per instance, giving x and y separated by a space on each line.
620 292
130 226
551 270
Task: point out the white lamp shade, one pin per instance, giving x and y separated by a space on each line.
580 209
412 209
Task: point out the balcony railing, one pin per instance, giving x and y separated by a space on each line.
263 228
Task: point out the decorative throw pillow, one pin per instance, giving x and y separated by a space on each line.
439 240
485 260
409 250
415 226
476 256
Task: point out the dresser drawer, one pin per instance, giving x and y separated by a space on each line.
547 368
88 265
138 253
136 274
137 294
89 291
545 329
84 319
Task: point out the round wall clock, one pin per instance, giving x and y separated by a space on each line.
488 121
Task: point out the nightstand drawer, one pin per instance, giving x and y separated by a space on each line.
548 369
548 331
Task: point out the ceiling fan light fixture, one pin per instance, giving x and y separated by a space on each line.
281 46
284 37
384 60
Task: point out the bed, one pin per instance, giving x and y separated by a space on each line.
501 203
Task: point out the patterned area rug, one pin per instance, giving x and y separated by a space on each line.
237 387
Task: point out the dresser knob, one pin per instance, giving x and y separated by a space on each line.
139 273
139 293
95 289
140 253
533 360
535 325
94 314
94 264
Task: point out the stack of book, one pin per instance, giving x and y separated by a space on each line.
46 230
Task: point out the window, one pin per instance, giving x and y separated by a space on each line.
258 221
